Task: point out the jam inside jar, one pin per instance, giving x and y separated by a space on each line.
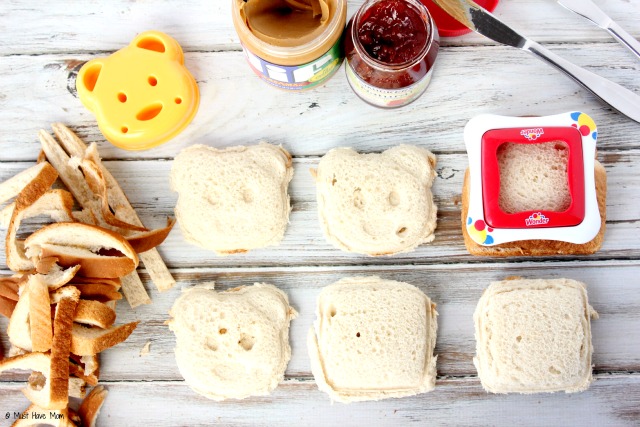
391 47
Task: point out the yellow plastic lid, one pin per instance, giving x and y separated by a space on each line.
141 95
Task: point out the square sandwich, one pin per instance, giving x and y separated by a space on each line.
373 339
534 336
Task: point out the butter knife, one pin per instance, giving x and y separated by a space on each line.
481 21
589 10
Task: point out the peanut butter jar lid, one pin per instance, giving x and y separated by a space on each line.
289 32
447 25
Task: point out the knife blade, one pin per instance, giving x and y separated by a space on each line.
483 22
590 11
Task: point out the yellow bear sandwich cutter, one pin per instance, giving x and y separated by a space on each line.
142 95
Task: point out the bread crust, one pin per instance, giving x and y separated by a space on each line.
89 341
40 314
539 247
52 244
94 313
90 407
62 324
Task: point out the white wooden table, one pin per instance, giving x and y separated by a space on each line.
42 44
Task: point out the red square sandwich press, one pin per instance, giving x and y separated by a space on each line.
488 223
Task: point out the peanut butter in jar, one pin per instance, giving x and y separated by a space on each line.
291 44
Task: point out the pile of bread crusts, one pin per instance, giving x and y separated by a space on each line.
61 300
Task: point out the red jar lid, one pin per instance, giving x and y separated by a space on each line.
449 27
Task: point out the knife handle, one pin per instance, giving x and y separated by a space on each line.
624 38
621 99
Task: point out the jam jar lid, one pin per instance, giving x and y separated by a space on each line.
448 26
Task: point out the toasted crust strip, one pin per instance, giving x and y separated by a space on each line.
91 364
98 291
55 203
151 259
70 176
73 179
9 288
90 407
40 314
56 277
113 281
62 324
77 387
97 184
5 215
87 341
14 185
78 371
94 313
76 244
145 241
19 331
90 264
36 188
7 306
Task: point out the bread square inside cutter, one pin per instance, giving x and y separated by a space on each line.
494 216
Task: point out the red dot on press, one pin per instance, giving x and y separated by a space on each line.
479 225
584 130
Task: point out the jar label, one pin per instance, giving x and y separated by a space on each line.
297 77
387 97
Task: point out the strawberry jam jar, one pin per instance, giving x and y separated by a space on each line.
390 47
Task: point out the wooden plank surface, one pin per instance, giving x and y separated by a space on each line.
147 185
299 403
312 122
41 49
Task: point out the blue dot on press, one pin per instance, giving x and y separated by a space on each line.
488 240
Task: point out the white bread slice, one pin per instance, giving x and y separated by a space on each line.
91 405
80 244
232 200
57 418
377 204
533 176
373 339
233 344
40 315
89 341
534 336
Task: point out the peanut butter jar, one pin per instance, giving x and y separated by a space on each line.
291 44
